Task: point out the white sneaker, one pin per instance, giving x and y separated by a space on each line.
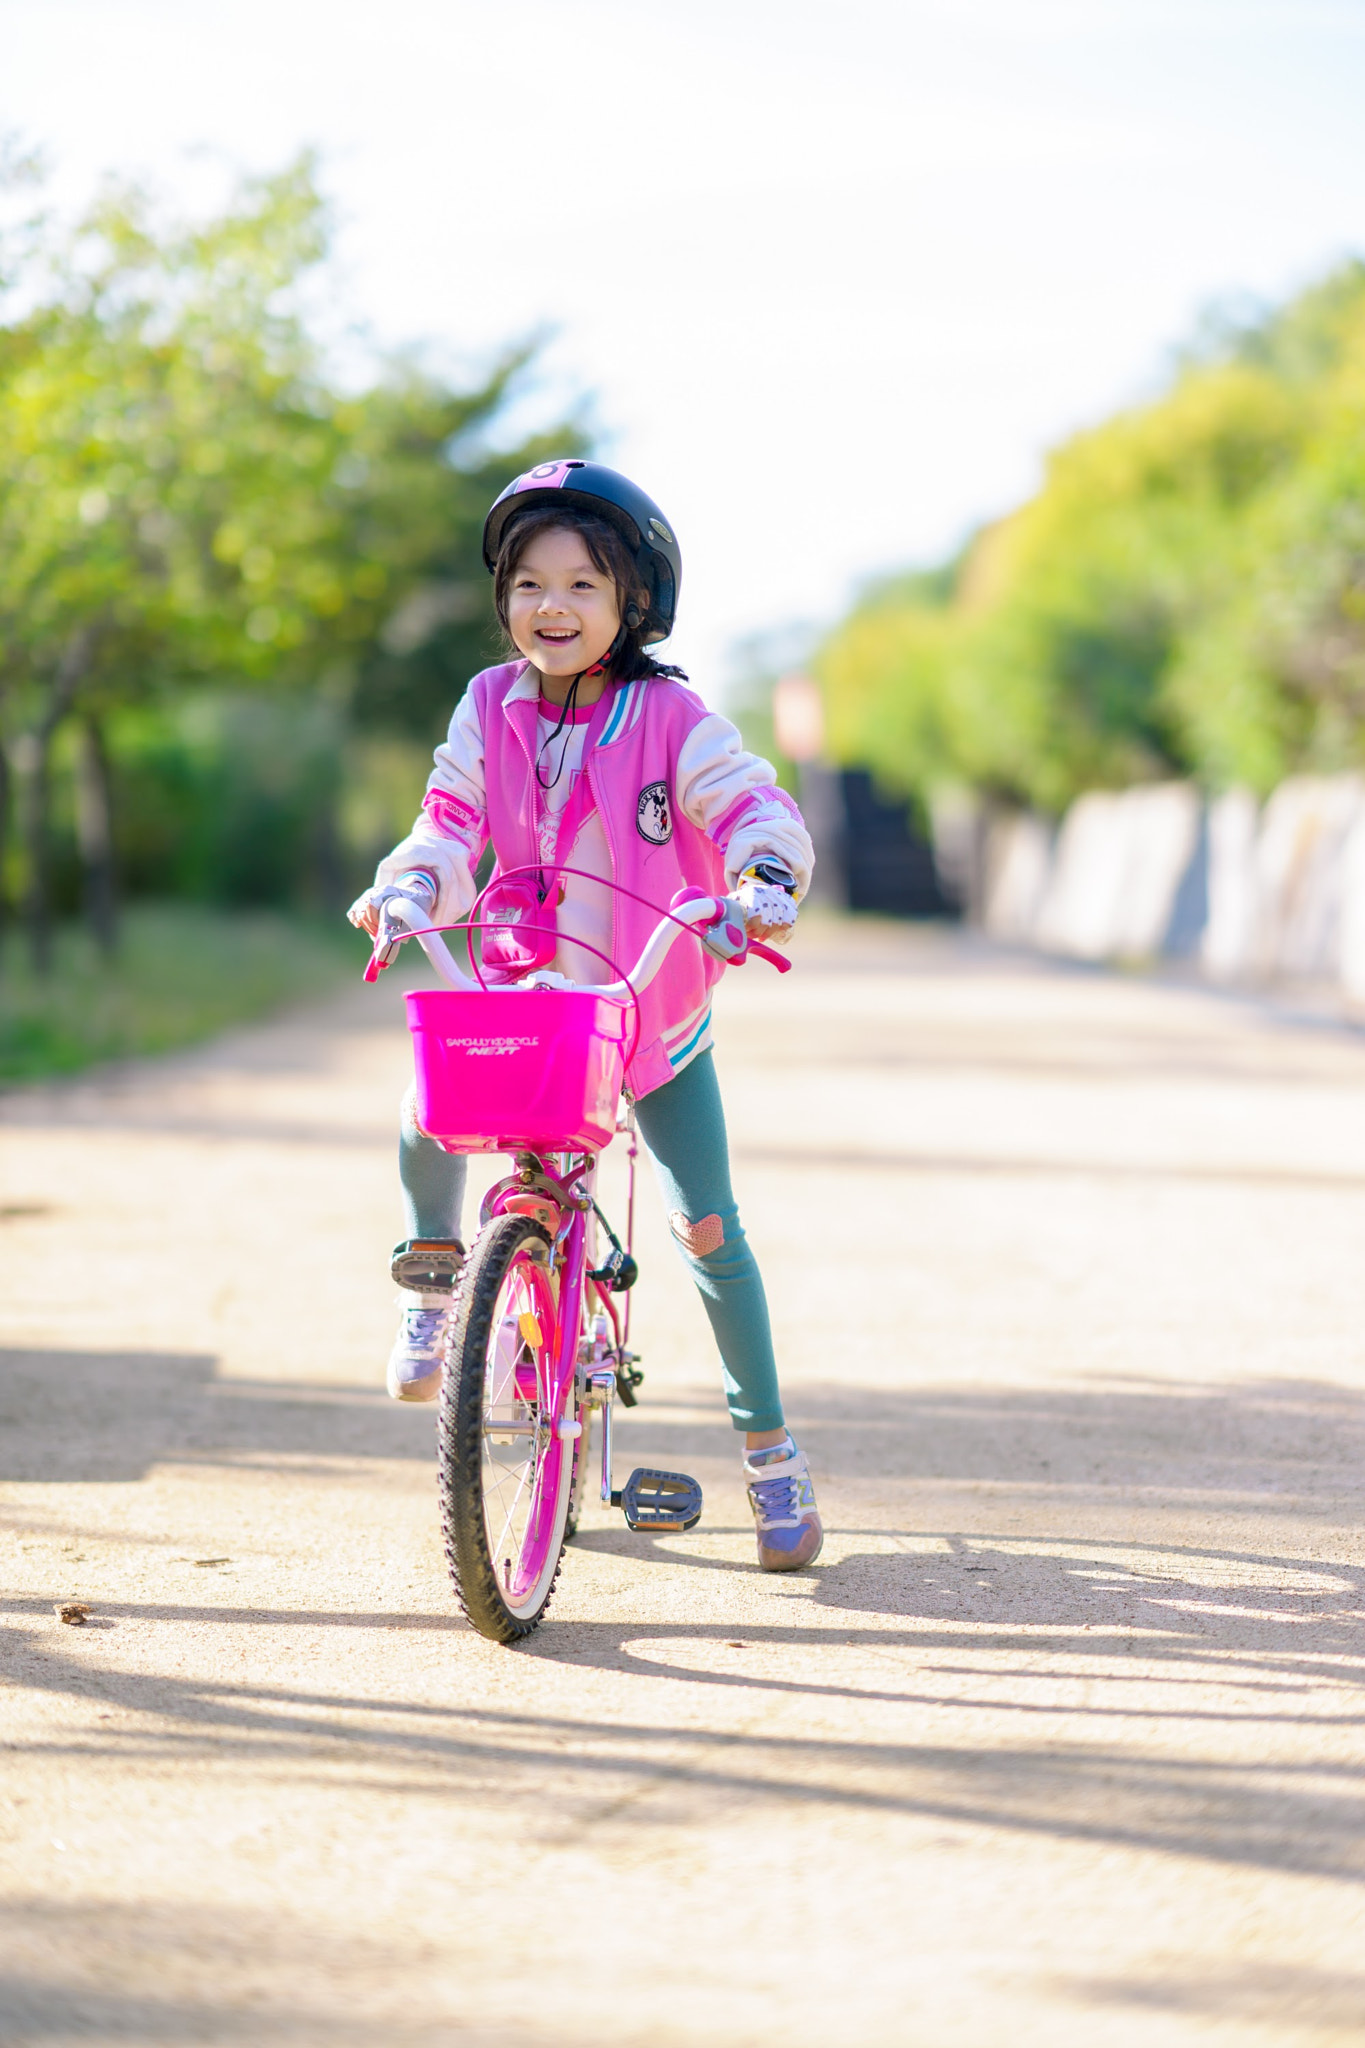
419 1350
790 1532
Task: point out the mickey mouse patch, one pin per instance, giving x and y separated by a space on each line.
653 818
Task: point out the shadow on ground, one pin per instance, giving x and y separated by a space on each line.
1276 1445
1259 1994
112 1415
964 1617
1007 1773
71 1970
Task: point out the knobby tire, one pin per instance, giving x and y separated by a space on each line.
460 1440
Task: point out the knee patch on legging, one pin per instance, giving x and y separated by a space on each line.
407 1110
697 1239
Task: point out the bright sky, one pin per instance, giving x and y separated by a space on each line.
837 272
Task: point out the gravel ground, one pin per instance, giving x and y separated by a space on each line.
1060 1742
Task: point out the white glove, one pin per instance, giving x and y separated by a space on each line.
768 894
364 912
769 905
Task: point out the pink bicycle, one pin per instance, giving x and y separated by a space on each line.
537 1344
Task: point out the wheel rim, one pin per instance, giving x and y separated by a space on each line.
522 1467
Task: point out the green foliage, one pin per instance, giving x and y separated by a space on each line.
422 478
228 798
181 975
191 506
167 448
1185 594
237 798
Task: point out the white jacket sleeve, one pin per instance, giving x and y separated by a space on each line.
732 795
451 828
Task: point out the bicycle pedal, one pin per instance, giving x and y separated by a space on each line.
428 1263
659 1500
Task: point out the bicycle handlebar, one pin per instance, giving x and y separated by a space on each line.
400 918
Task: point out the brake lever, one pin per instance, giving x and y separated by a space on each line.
383 956
770 954
388 944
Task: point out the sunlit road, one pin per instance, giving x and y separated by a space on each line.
1061 1742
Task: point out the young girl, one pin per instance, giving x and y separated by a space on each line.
587 753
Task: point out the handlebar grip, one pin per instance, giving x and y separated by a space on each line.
387 943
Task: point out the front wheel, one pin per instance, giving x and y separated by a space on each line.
504 1466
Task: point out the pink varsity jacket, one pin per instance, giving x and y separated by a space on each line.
682 803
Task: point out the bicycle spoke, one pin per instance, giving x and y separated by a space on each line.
497 1546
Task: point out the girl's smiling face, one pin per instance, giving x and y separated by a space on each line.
562 610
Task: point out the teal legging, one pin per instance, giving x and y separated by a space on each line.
683 1124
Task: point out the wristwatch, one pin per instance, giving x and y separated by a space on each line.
772 873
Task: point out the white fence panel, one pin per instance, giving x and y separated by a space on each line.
1120 861
1299 873
1017 866
1230 932
1353 911
1255 892
1164 827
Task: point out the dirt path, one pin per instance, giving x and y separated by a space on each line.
1063 1740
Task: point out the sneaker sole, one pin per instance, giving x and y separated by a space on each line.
425 1389
783 1560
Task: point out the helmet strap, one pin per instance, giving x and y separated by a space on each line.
600 667
569 707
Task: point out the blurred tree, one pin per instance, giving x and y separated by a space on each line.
155 402
1185 594
186 498
1272 677
422 477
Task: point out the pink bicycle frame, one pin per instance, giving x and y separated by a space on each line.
494 1076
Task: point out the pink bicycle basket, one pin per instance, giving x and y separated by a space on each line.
533 1070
